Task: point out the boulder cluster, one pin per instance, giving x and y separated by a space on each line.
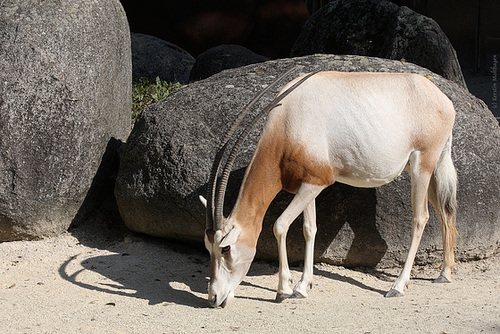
66 147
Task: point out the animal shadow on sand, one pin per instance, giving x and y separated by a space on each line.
144 268
165 272
161 271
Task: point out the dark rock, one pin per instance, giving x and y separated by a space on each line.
65 88
379 29
167 160
221 58
100 199
153 57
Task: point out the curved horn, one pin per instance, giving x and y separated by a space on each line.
219 203
212 185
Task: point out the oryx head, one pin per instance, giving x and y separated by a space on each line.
230 260
232 247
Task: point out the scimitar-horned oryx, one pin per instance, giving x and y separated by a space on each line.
361 129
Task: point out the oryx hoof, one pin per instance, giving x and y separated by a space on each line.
298 294
282 296
393 293
441 279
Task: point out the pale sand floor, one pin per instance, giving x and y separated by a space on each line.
135 285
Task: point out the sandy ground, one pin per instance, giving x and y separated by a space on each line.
88 284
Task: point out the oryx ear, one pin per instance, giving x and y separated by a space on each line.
231 237
203 201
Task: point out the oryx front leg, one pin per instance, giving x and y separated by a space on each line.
300 290
304 196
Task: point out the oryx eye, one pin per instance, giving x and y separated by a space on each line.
225 249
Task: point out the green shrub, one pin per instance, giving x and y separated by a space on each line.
145 92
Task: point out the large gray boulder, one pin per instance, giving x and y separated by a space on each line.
153 57
65 87
379 29
168 156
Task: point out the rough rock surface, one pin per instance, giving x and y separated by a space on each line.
167 160
221 58
65 87
153 57
379 29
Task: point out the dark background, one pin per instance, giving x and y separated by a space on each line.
270 28
267 27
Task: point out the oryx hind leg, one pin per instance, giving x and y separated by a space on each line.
448 255
442 195
309 228
305 195
420 178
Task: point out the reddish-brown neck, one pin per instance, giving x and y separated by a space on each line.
261 184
